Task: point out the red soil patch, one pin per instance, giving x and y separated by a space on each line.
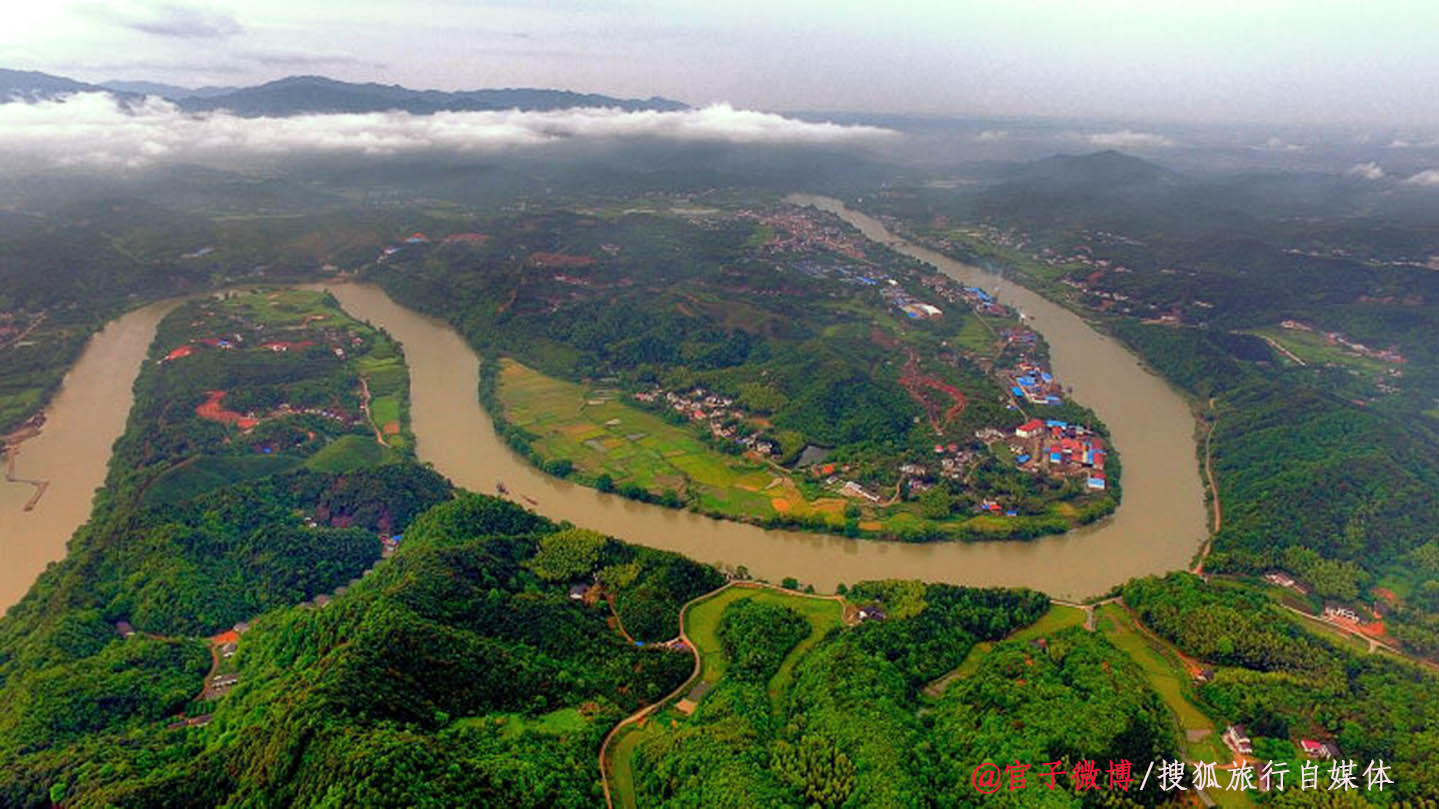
1386 594
560 260
467 238
210 410
915 382
391 428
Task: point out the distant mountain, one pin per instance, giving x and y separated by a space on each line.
1105 189
317 94
312 94
1108 169
171 91
32 85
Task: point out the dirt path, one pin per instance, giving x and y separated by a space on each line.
1282 350
30 329
1374 644
1218 515
369 419
689 682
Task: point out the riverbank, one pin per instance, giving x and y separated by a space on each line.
1153 533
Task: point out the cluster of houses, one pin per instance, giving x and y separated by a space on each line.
1237 739
801 230
954 460
718 413
1033 383
1061 448
912 307
977 299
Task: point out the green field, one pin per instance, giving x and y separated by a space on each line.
702 623
622 774
1163 671
385 409
348 452
1314 349
602 435
209 472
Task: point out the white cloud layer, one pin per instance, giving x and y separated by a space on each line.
992 136
1366 171
1429 178
91 130
1278 144
1129 139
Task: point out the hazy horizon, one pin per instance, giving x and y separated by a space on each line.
1279 62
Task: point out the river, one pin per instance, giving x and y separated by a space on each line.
71 452
1159 526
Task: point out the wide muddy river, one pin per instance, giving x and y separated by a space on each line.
1159 526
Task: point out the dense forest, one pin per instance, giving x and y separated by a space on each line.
1284 682
853 727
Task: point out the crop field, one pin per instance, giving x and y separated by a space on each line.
602 435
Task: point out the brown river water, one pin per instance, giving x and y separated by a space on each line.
1159 527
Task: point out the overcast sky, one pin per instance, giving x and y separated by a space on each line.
1305 61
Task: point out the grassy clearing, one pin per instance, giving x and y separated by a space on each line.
702 624
1314 349
348 452
1161 668
384 409
622 774
209 472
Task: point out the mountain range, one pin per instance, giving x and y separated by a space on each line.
295 95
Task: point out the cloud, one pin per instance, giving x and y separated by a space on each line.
93 130
1129 139
1402 143
303 59
1277 144
1366 171
1429 178
992 136
174 20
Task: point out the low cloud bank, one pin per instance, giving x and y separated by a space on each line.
93 130
1129 139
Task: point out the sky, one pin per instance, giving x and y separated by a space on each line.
1301 62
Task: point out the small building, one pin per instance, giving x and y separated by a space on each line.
1280 578
1236 738
871 612
1029 429
1315 749
1204 675
579 591
1343 613
123 629
1096 480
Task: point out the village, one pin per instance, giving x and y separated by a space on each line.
337 340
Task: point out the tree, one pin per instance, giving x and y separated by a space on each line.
568 554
